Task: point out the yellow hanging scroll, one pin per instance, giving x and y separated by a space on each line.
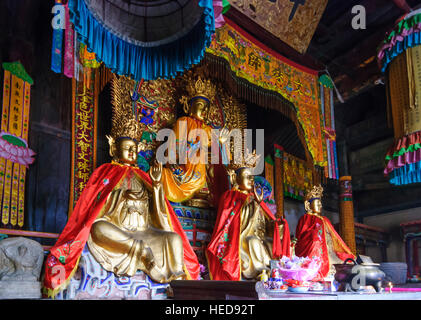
269 170
298 177
15 156
412 115
84 127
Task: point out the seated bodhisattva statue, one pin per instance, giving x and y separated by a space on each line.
126 221
182 181
316 237
241 246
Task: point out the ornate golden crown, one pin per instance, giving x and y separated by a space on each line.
315 193
201 88
123 121
198 87
126 128
248 160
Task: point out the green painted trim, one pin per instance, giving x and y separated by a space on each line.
291 195
326 81
14 140
411 235
17 69
226 6
269 160
403 24
402 151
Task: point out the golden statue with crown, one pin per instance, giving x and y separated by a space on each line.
123 217
242 242
316 237
191 173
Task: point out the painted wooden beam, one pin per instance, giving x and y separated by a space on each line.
24 233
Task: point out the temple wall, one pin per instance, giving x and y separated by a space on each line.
48 178
390 222
293 211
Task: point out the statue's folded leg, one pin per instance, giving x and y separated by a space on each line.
268 243
110 237
259 257
116 250
168 256
156 252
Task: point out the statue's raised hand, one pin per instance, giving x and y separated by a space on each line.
224 135
155 172
259 197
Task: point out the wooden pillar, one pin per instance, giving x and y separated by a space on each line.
279 181
409 256
269 174
416 256
346 213
83 160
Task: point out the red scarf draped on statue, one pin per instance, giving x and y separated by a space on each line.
64 256
223 252
312 241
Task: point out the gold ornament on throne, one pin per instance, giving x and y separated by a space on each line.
161 92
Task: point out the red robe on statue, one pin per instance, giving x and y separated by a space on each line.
64 256
312 242
223 251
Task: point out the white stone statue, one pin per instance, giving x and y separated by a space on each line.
21 261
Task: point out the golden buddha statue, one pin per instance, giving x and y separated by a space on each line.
255 248
241 245
125 220
186 179
316 237
132 232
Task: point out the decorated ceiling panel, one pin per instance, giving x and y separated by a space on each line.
292 21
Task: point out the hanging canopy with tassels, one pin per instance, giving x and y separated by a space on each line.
145 39
406 34
400 58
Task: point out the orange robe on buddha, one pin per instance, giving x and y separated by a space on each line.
182 181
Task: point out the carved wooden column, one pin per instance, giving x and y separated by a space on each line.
416 257
279 181
346 213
